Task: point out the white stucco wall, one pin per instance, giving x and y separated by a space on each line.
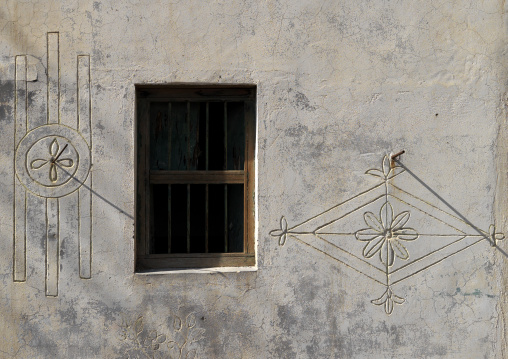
340 84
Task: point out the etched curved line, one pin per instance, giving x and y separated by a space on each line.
70 175
19 220
428 254
426 213
338 260
338 205
469 224
442 259
348 213
323 233
53 77
351 254
78 143
38 163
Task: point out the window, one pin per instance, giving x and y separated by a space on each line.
195 176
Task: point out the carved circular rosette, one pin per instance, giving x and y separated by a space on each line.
52 160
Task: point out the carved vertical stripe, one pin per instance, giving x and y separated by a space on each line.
85 194
85 230
53 77
19 250
52 211
52 246
19 265
84 116
20 100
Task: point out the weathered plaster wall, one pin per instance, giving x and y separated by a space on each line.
340 85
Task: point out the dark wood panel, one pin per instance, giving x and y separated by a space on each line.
250 148
200 93
196 177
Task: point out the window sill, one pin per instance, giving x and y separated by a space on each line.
217 270
194 261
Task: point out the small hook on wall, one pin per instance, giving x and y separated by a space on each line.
394 156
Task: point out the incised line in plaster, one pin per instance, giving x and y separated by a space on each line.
52 161
385 258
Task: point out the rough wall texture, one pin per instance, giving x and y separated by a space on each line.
340 84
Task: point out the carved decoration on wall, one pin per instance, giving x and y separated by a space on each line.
372 233
174 340
52 161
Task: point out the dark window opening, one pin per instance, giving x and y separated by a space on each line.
195 177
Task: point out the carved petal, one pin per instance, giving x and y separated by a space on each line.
161 338
389 306
373 246
400 221
177 323
375 172
191 320
398 299
386 165
53 148
36 164
380 300
387 300
65 162
495 236
366 235
406 234
276 233
53 176
282 232
152 334
372 221
283 224
386 254
386 215
138 325
282 239
399 249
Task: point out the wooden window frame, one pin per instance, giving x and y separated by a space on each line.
147 94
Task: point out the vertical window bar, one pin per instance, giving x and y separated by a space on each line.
225 186
148 188
169 167
188 157
207 134
206 167
188 217
188 168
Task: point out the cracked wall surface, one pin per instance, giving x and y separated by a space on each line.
340 85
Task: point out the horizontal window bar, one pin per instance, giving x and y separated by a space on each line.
197 260
195 255
198 100
197 177
189 93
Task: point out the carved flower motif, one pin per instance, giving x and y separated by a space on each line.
388 169
385 234
282 233
53 160
494 236
388 298
153 340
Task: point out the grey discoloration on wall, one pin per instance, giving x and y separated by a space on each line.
339 86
